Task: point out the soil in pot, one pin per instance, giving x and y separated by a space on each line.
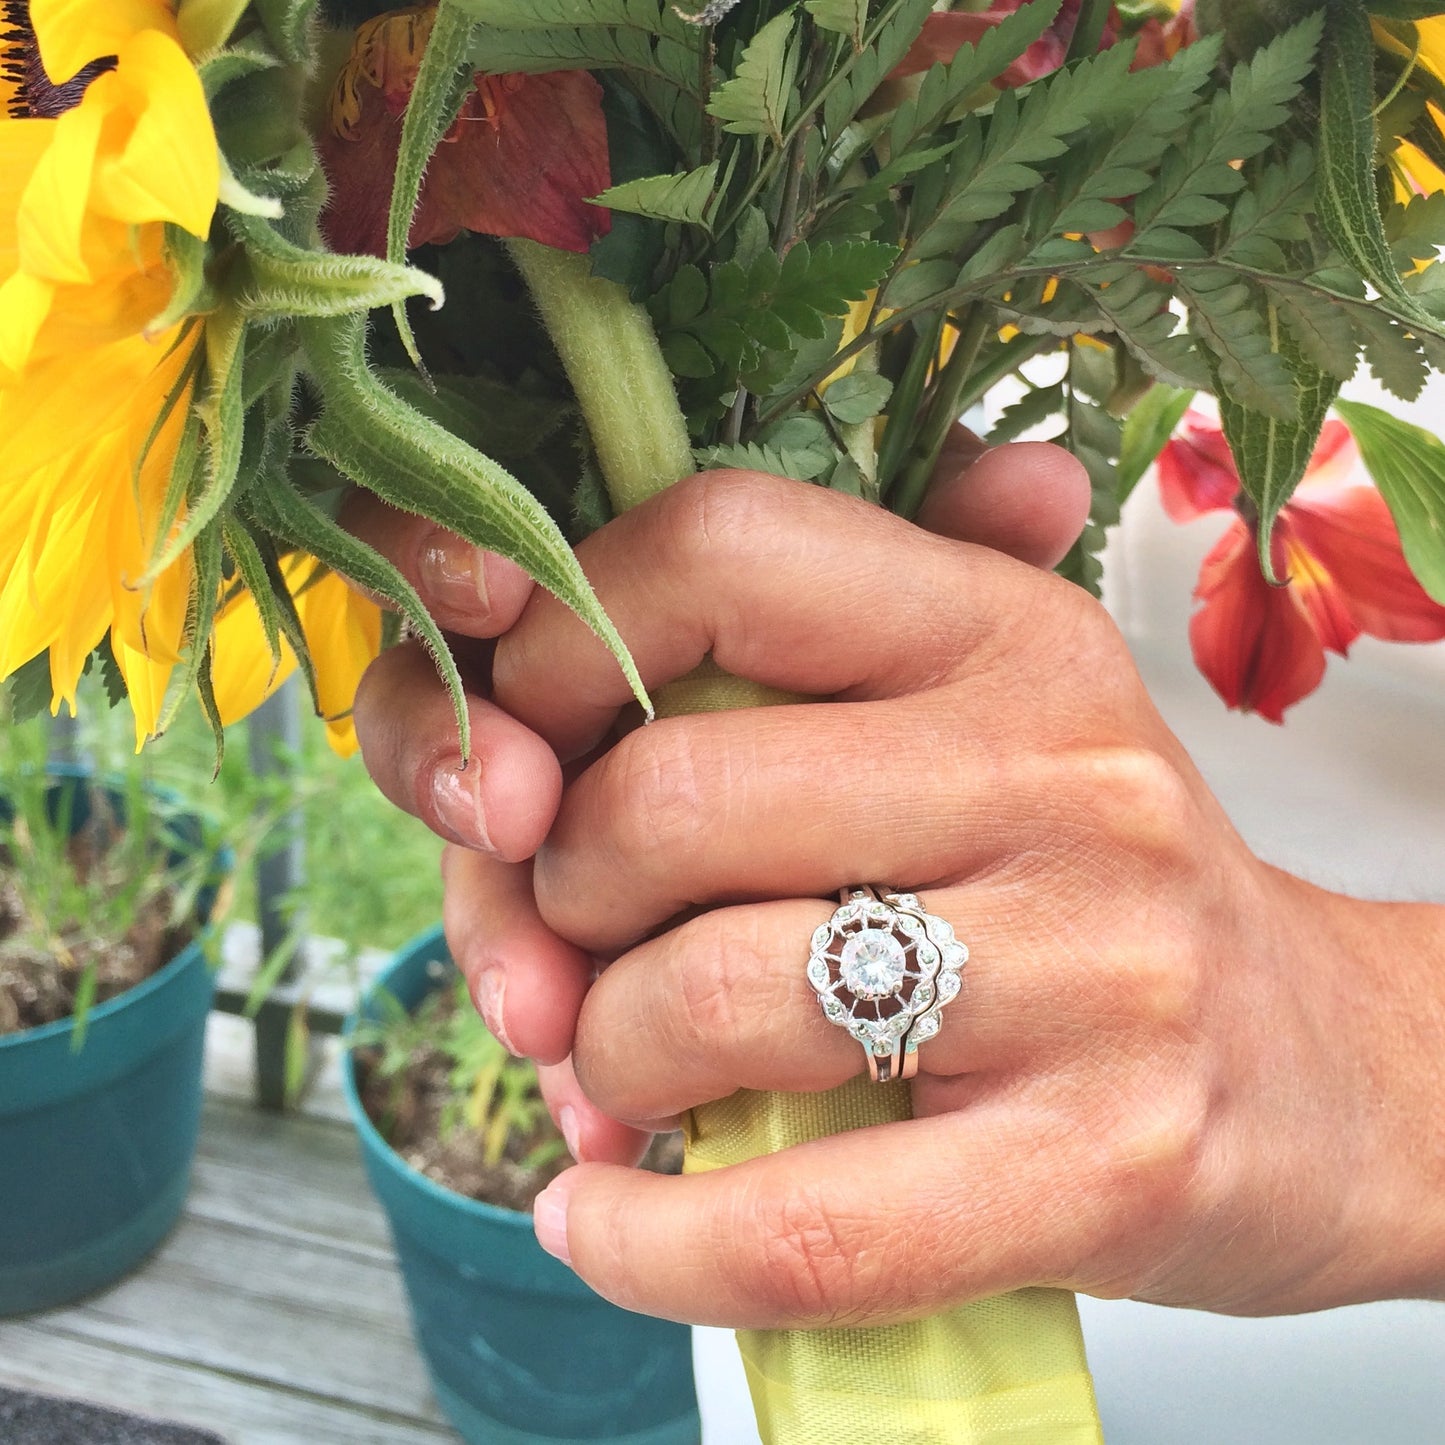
457 1108
110 932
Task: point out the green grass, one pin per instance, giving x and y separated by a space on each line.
371 871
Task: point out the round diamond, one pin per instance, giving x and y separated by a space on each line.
818 972
948 986
955 956
925 1028
873 964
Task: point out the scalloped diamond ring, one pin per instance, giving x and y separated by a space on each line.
883 968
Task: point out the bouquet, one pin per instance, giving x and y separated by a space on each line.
795 237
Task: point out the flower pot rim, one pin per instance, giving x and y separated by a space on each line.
427 939
224 864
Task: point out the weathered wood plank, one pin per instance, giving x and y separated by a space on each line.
42 1354
251 1302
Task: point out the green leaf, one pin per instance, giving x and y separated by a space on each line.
430 109
755 100
287 23
1146 429
685 197
857 397
1032 409
1408 466
845 17
1271 452
1346 196
28 690
1246 347
288 517
374 438
288 280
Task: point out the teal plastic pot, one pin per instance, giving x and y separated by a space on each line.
520 1351
96 1144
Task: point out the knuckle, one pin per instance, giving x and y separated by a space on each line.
711 982
717 513
651 794
1155 1153
1139 800
809 1270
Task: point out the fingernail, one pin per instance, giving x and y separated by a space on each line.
549 1218
457 798
488 992
454 573
567 1123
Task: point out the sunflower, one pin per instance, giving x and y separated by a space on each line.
105 143
1412 58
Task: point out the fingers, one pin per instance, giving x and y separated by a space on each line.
723 1002
758 571
464 588
864 1228
590 1134
527 983
776 803
1028 499
506 797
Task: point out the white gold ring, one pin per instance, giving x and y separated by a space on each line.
883 968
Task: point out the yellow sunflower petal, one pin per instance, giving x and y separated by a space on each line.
169 168
24 309
244 674
51 219
72 33
343 629
22 144
145 683
1431 31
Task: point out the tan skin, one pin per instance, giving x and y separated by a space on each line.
1175 1073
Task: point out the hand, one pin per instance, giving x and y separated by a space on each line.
1173 1072
528 981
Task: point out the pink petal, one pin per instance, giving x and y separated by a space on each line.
1252 641
1335 459
1356 546
943 33
1196 470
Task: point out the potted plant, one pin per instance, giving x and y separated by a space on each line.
105 892
519 1349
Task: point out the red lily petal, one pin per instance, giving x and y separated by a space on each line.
1196 470
525 154
1252 641
1335 458
1317 593
944 32
1356 548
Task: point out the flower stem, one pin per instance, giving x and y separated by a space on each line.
623 384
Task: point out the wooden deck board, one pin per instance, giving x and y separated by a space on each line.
273 1314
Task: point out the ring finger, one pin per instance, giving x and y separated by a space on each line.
723 1002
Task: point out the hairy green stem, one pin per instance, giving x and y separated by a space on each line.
611 356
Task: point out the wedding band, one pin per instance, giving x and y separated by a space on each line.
883 968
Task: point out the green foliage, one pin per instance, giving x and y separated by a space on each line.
685 197
755 101
1408 465
490 1093
1148 426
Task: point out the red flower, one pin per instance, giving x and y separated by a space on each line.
1335 544
521 159
945 31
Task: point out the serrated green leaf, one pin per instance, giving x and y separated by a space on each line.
1394 356
1407 464
857 397
755 100
803 465
1032 409
1271 452
1246 348
1346 198
27 689
686 197
1321 330
845 17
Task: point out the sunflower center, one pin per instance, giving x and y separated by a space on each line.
29 92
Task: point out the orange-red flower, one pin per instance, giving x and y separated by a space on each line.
1262 647
520 160
945 31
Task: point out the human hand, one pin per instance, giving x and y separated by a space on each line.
496 812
